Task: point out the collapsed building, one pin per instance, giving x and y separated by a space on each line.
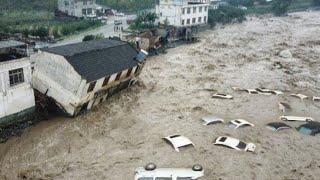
16 93
82 75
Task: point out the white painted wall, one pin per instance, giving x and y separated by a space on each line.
176 12
14 99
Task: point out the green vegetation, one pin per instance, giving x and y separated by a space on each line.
316 2
280 7
225 14
93 37
128 5
247 3
144 21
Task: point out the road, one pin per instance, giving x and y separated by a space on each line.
107 30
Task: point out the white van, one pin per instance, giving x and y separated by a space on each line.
150 172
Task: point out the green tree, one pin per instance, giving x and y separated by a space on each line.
280 7
316 2
88 38
225 14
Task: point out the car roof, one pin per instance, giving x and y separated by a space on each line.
315 126
242 121
169 172
209 119
178 140
233 142
277 125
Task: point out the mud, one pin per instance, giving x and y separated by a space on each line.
172 96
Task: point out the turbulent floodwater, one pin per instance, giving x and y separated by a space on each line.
125 132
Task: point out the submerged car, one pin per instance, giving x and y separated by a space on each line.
296 118
235 144
250 91
222 96
301 96
208 120
315 98
236 123
178 141
151 172
278 126
269 91
310 128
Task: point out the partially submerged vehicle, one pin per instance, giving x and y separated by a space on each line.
296 118
178 141
269 91
310 128
236 123
151 172
284 106
278 126
315 98
235 144
250 91
222 96
301 96
208 120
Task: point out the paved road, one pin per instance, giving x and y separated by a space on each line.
107 30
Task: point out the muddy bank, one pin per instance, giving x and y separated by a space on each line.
125 132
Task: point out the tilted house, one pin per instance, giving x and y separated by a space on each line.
79 76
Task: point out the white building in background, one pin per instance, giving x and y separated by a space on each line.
182 13
16 93
78 8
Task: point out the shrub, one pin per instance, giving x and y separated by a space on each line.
225 14
316 2
280 7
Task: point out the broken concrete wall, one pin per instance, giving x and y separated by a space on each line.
56 78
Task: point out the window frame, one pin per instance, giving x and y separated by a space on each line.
106 81
118 77
16 76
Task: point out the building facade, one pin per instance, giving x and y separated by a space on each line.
16 93
78 8
182 13
82 75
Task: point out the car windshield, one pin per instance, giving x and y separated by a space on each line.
184 178
145 178
232 125
305 130
241 145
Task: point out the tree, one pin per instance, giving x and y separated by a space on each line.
225 14
280 7
88 38
316 2
247 3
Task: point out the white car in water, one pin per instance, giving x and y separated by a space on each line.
151 172
236 123
296 118
222 96
178 141
235 144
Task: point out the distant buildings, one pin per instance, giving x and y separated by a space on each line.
78 8
182 13
16 93
82 75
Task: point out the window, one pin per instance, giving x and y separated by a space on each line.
163 178
188 21
105 81
91 86
193 20
194 9
188 11
129 72
84 11
199 19
89 11
85 2
183 10
200 9
182 22
118 76
205 19
16 76
184 178
241 145
146 178
205 9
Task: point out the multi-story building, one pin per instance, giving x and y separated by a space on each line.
182 13
78 8
16 93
